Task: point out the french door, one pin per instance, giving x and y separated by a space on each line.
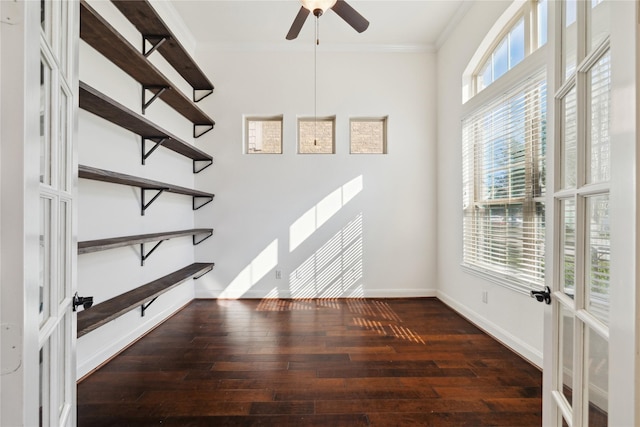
39 45
587 276
57 214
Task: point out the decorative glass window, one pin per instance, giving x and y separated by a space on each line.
514 44
368 135
316 135
263 135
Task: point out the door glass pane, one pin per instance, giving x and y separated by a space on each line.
598 257
63 35
63 141
568 247
570 38
597 22
597 373
565 355
45 123
43 395
569 141
62 365
45 258
64 252
599 78
46 18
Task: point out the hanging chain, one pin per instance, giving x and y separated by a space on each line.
315 83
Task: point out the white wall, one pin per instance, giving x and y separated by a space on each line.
514 318
325 204
110 210
334 225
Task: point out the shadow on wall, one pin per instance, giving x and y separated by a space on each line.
334 270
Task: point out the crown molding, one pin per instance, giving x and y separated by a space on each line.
453 22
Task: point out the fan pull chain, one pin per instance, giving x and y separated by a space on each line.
315 83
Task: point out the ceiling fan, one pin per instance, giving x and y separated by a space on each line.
318 7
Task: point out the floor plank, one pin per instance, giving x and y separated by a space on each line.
360 362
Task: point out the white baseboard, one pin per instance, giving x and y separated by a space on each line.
526 351
400 293
106 349
368 293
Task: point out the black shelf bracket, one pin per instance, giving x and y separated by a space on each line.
200 275
155 42
144 307
143 204
200 94
206 202
145 103
209 162
158 141
143 256
201 129
197 242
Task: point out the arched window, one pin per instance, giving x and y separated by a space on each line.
504 148
520 31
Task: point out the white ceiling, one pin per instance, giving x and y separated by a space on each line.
266 22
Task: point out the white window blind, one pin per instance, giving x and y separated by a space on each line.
504 146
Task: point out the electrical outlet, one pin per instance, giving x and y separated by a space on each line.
485 297
278 274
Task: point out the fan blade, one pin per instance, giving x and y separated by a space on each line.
350 15
297 23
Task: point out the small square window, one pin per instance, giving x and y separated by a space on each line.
263 135
368 135
316 135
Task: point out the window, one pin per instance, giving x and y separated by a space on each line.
316 135
368 135
263 135
504 150
513 45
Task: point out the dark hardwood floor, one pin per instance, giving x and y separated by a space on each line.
395 362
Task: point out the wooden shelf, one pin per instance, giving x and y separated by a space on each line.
154 30
144 184
96 316
105 39
89 246
101 105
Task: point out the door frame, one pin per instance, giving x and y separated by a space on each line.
624 372
19 191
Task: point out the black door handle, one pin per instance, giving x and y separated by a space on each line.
542 295
85 302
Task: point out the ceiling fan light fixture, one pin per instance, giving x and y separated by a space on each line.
323 5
